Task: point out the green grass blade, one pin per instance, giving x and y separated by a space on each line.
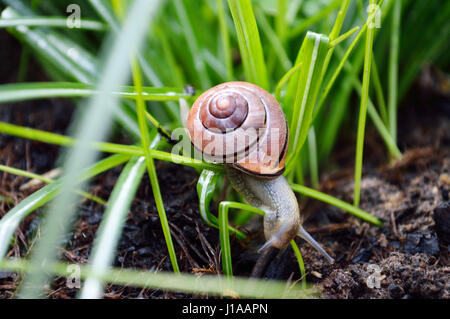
206 186
94 123
33 176
145 139
105 11
329 130
39 43
192 43
85 24
302 92
110 229
39 90
227 266
343 37
294 7
336 202
377 121
393 68
249 42
307 23
273 40
313 162
284 79
334 34
10 221
363 112
224 206
66 57
301 264
30 175
187 283
281 22
379 93
324 93
52 138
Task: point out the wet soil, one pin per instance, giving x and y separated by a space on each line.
408 257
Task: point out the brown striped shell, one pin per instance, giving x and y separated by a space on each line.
240 124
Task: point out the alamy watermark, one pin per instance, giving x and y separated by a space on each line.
74 19
374 20
374 278
73 280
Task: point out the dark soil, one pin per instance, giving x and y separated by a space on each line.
408 256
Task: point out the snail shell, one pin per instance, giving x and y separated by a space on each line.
240 124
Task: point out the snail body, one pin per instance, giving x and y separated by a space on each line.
275 197
243 126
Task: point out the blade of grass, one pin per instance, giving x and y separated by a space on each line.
110 229
192 43
105 11
294 7
85 24
393 68
12 219
176 72
377 121
329 129
39 90
94 123
227 267
249 42
52 138
307 23
379 93
36 39
26 91
273 40
334 34
281 22
225 37
46 180
187 283
224 206
284 79
343 37
324 92
341 102
301 264
313 163
61 55
145 139
336 202
25 55
363 111
206 186
302 92
334 40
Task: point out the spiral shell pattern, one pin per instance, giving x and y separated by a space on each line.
240 124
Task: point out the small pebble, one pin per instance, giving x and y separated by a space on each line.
421 242
395 291
442 221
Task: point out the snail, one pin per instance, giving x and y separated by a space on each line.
243 126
